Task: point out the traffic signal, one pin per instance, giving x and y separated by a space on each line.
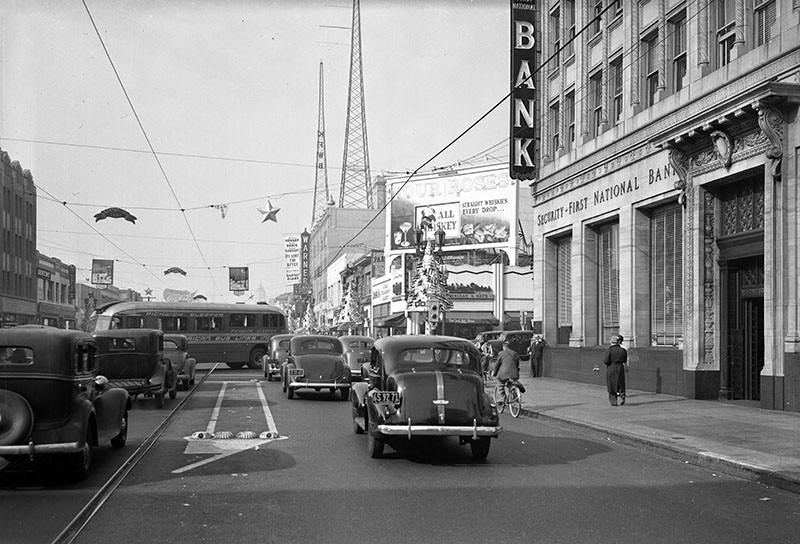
434 311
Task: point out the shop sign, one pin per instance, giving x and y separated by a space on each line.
44 274
291 251
102 272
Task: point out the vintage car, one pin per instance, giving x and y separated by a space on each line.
422 385
356 353
134 360
316 362
278 353
485 336
53 401
176 349
518 340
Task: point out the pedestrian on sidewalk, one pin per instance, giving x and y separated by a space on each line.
536 352
616 362
506 366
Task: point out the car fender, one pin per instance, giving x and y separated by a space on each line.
82 420
110 407
360 391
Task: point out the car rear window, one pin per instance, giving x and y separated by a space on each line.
121 344
359 344
319 345
170 344
434 355
13 355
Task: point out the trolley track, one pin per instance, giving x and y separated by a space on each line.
82 519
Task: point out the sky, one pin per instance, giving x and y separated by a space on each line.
213 102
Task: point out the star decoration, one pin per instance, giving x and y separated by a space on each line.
148 292
270 214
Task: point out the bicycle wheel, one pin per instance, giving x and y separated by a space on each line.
498 398
514 401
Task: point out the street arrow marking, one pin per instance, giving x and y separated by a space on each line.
221 448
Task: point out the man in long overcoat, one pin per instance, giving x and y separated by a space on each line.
616 361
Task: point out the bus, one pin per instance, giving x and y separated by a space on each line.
234 334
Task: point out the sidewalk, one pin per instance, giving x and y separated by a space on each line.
734 438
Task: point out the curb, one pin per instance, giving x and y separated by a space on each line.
719 462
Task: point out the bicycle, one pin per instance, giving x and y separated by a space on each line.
508 393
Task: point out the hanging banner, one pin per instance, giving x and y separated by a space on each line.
524 152
239 278
102 272
291 251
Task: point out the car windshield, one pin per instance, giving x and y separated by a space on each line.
434 355
284 344
318 345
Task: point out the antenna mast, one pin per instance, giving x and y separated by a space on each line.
356 187
322 196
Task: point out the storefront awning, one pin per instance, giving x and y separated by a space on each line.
471 318
391 321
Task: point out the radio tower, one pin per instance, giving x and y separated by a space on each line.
356 188
322 196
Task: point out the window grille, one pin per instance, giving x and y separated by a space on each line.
564 288
678 48
765 17
666 258
608 258
616 80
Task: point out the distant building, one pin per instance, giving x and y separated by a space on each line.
55 293
18 257
666 207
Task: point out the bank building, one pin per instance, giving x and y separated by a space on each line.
666 205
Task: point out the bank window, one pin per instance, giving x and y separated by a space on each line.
554 123
616 82
564 288
650 68
596 102
725 20
666 258
555 38
597 16
608 288
569 120
174 324
764 19
569 25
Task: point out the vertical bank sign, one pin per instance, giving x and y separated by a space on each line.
524 68
305 262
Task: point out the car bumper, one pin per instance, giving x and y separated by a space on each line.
321 385
439 430
39 449
137 387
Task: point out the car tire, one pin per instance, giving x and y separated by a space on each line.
283 384
173 393
255 361
16 418
290 392
374 446
235 366
160 399
119 441
79 463
191 377
356 427
345 393
480 447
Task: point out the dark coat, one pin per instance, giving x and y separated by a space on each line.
616 358
506 367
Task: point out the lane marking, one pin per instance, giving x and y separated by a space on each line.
221 448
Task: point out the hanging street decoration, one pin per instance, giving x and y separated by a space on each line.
223 208
199 297
116 213
430 283
175 270
269 213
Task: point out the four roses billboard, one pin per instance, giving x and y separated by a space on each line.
474 208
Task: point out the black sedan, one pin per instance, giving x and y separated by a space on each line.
315 362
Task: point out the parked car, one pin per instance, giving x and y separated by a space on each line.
176 349
420 385
316 362
134 360
53 401
278 353
518 340
356 353
485 336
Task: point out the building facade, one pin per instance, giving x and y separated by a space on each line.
18 257
666 209
55 293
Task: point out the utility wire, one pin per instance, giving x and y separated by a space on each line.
150 145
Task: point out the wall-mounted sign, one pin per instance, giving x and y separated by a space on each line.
44 274
524 94
291 245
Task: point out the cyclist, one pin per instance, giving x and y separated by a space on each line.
506 367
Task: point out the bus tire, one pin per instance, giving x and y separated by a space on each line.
256 355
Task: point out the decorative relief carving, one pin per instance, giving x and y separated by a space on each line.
723 147
770 120
679 163
709 320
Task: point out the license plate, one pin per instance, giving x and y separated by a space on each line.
385 397
296 372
